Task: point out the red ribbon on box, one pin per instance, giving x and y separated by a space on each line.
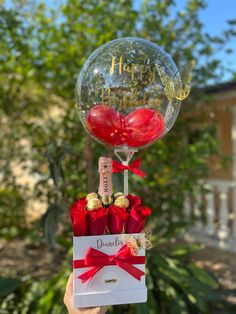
133 167
97 259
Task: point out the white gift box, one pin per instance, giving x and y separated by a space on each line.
111 284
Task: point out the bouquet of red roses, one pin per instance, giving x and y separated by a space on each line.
125 215
109 245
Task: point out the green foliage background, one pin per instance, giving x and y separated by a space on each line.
42 50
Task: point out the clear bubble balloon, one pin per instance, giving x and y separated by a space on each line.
128 93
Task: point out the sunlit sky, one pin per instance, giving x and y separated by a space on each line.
214 18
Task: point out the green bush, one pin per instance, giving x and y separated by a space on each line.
12 213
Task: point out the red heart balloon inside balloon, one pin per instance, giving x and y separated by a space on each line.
137 129
105 124
143 126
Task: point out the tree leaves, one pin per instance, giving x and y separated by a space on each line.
184 285
55 155
50 221
183 250
8 285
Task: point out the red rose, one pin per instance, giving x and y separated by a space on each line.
117 219
78 217
134 200
97 221
137 219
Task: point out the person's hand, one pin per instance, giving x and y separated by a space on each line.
69 303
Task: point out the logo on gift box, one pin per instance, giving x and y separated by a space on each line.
110 281
116 243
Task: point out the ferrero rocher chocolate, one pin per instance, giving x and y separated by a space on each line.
107 199
118 194
94 203
91 196
122 201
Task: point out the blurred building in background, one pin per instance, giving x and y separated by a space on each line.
216 211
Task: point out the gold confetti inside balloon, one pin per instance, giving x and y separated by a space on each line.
128 93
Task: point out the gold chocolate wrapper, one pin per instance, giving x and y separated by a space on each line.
107 199
122 201
118 194
91 196
94 204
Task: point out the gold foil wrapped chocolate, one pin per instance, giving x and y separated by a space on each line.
91 196
94 203
118 194
107 199
122 201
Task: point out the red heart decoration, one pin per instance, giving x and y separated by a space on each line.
105 124
143 126
137 129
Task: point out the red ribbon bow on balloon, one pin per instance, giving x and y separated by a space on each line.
97 259
133 167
